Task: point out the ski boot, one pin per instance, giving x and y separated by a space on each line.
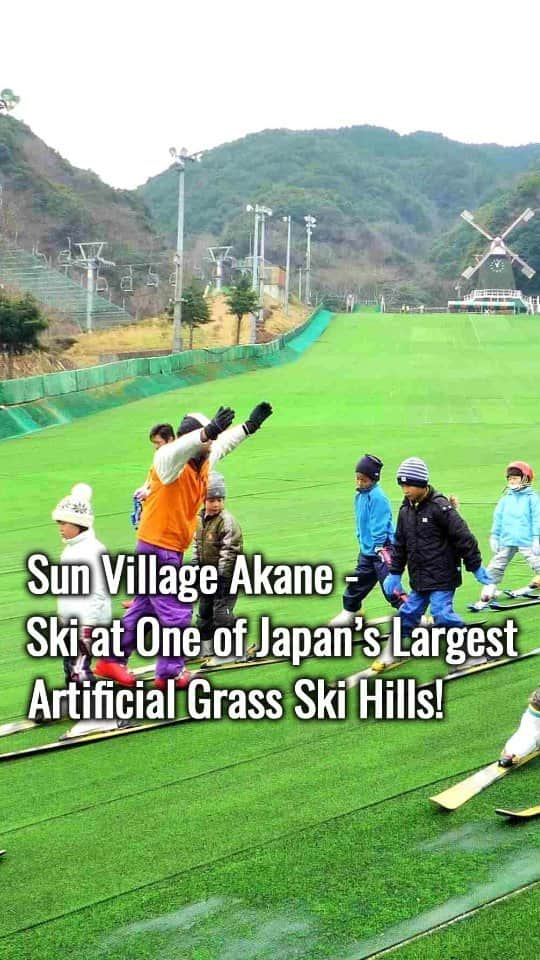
111 670
387 658
489 592
526 739
345 618
182 681
83 728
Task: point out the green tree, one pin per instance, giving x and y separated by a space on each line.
21 323
8 99
241 300
195 309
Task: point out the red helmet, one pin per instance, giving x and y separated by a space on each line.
524 468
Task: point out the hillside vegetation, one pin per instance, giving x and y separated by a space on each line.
380 199
387 207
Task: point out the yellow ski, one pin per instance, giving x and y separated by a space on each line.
520 814
457 795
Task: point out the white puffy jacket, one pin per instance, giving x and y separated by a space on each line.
95 608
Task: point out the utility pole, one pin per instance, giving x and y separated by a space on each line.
180 157
287 220
311 223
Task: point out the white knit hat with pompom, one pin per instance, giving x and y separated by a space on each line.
76 507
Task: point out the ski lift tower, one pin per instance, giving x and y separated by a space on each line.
91 259
218 256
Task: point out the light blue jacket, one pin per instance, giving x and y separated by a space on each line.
374 525
516 521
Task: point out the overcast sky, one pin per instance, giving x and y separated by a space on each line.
112 85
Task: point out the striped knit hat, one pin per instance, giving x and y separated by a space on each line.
413 472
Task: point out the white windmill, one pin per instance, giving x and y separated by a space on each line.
497 285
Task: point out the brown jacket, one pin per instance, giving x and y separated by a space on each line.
218 542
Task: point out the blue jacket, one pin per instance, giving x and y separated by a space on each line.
374 525
516 521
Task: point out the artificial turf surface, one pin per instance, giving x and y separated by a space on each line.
282 839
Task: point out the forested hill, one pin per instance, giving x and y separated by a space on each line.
380 199
46 199
387 206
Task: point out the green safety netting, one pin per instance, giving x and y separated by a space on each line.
32 403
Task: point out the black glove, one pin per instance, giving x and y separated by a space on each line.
221 420
258 415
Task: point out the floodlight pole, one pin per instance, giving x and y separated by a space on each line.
254 265
264 212
257 273
287 220
180 157
310 225
91 271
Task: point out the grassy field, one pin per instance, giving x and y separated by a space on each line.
262 840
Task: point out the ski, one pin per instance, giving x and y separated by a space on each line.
463 791
514 604
487 665
91 738
519 814
17 726
353 679
531 591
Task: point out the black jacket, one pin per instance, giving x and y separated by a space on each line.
431 541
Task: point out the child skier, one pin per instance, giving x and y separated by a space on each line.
374 530
75 519
178 485
515 527
431 540
218 542
526 739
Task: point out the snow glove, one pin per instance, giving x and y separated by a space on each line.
483 576
258 415
393 585
220 421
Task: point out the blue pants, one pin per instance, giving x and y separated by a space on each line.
370 569
442 610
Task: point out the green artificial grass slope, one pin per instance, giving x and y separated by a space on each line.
280 839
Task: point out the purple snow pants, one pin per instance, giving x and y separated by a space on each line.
168 610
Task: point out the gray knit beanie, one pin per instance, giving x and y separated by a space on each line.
216 486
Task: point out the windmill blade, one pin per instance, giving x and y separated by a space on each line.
524 266
468 216
526 215
468 273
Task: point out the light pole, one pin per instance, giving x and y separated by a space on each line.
257 270
311 223
287 220
180 157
